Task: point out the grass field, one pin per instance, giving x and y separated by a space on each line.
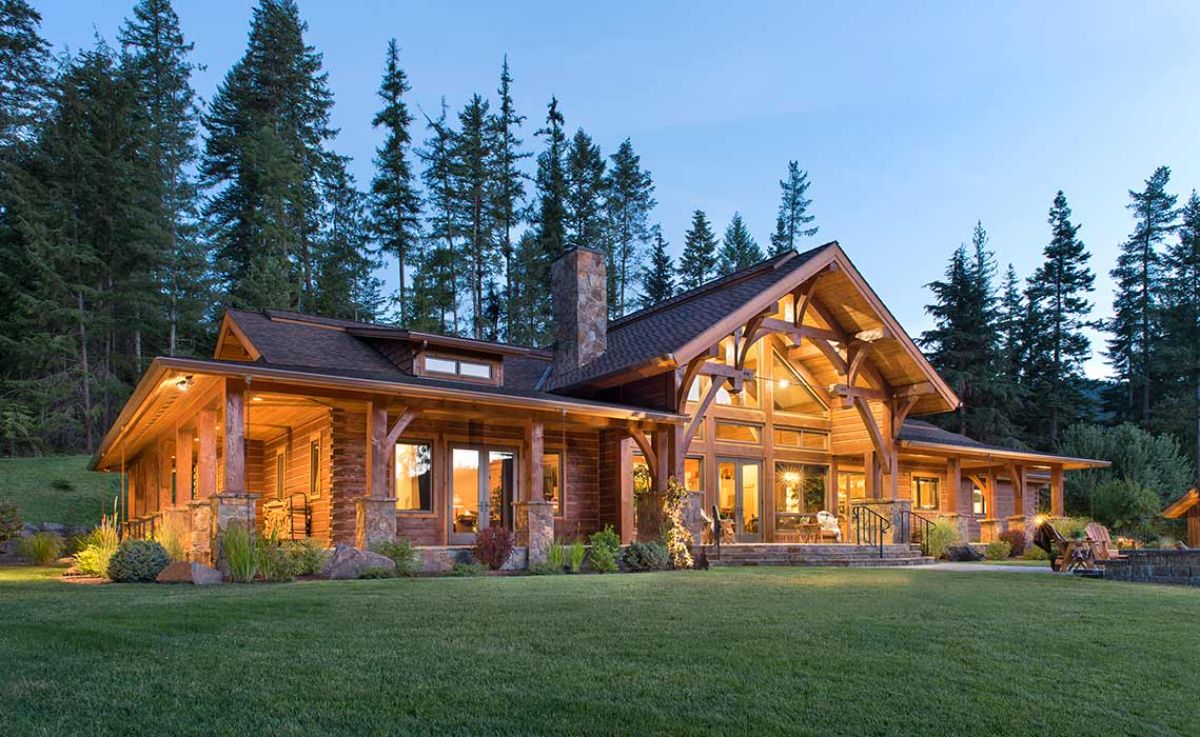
30 482
729 652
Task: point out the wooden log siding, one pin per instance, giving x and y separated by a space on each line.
348 479
296 466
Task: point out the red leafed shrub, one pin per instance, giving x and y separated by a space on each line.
492 546
1015 538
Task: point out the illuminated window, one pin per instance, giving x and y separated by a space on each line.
852 485
786 437
314 468
791 393
552 465
693 474
738 433
978 502
414 477
799 494
925 492
748 396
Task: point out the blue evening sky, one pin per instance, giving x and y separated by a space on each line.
913 119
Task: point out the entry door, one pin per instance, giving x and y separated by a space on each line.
739 496
483 486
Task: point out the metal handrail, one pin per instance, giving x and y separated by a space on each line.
870 522
916 525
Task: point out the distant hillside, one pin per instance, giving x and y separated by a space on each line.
57 489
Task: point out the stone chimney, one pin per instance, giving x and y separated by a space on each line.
579 289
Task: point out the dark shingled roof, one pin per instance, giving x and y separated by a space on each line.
917 431
666 327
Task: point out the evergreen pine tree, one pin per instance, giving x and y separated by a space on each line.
738 249
699 257
584 195
440 268
395 204
1180 407
346 285
1138 276
658 282
792 224
471 157
24 56
265 158
1061 286
628 200
157 56
508 191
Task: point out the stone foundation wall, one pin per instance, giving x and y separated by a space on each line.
1179 567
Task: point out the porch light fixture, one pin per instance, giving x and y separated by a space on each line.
784 383
256 398
184 383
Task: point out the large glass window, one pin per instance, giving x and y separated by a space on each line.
693 474
414 477
978 501
786 437
738 433
925 492
552 484
748 396
799 494
790 392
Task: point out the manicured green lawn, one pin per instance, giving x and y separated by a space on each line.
756 652
30 482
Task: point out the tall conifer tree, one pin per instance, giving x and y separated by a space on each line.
738 249
793 221
585 194
395 205
440 270
658 282
1181 328
472 156
1138 276
508 190
699 257
628 200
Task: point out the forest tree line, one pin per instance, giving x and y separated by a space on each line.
131 214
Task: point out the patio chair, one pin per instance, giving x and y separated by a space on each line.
830 529
1105 549
1062 552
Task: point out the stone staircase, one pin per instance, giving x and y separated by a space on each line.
843 556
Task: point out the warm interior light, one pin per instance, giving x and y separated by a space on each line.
784 383
791 478
256 398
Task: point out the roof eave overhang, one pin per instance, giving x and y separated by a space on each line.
1001 455
1181 506
163 367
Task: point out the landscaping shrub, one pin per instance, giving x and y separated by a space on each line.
997 550
605 546
307 556
1033 552
942 534
274 563
43 548
405 555
1015 540
493 545
462 570
10 520
556 556
545 569
1072 528
677 536
377 572
171 538
646 557
137 560
238 550
98 548
576 554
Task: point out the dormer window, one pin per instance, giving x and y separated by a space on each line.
454 367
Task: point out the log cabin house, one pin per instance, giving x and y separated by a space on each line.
775 393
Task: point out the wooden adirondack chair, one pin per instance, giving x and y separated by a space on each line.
1103 546
1065 555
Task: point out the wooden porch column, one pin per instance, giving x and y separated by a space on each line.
1057 508
872 478
533 483
206 460
183 465
377 482
235 439
953 484
625 512
534 513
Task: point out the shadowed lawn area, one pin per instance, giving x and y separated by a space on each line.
30 483
761 652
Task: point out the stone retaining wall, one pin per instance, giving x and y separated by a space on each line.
1179 567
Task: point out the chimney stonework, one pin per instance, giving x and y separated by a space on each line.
579 290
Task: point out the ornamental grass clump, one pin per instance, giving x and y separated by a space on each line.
942 534
274 564
98 547
307 555
575 555
997 550
171 538
605 546
403 553
240 553
137 560
556 557
43 548
493 545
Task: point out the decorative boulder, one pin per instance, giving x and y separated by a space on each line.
349 562
181 571
961 553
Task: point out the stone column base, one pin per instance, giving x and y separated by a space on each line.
535 528
200 542
375 521
895 511
231 508
991 529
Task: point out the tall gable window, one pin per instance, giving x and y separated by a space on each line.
791 393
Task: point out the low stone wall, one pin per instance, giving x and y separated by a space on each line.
1179 567
440 559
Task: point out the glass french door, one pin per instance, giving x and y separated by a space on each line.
483 486
739 496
